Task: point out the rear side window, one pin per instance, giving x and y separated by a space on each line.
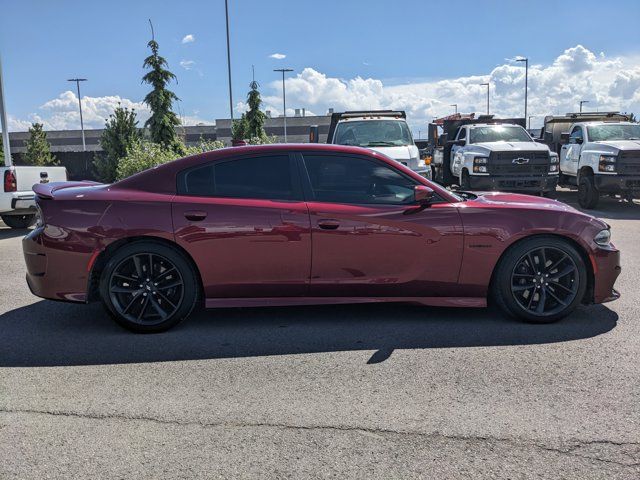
265 177
346 179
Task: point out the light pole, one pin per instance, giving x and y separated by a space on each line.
486 85
284 98
78 80
3 122
226 12
526 81
455 105
582 102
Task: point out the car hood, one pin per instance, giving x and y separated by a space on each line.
512 146
518 200
620 144
400 153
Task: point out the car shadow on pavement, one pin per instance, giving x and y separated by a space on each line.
57 334
6 232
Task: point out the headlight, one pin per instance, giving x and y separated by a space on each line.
480 160
553 168
607 163
39 217
480 169
554 158
603 238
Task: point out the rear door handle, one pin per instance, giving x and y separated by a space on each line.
195 215
328 224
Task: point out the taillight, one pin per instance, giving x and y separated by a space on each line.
10 182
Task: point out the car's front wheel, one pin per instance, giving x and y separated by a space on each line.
540 280
149 287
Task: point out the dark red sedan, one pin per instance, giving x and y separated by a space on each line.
309 224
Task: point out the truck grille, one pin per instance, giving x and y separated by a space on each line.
629 162
519 163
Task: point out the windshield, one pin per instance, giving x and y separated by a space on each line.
601 133
498 133
373 133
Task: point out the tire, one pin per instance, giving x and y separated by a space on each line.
519 291
465 181
19 221
167 293
588 195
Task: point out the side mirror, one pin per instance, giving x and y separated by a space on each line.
422 195
579 140
564 138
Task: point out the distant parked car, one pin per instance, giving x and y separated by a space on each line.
309 224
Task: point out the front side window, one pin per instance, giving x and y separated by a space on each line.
462 134
498 133
346 179
576 135
264 177
603 133
373 133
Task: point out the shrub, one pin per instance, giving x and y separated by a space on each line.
144 155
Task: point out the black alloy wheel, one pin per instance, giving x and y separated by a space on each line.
541 279
544 281
149 287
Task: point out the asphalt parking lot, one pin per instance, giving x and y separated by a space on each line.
394 391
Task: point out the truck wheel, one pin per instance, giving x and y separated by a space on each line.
465 181
19 221
588 194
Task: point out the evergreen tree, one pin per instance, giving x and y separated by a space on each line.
240 128
255 116
38 149
163 121
118 137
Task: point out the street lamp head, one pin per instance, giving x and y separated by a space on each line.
484 84
77 80
283 70
522 59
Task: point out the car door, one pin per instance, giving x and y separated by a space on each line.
244 222
368 238
572 151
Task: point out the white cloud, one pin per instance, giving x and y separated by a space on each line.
576 74
278 56
187 64
190 38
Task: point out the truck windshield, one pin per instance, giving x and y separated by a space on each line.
602 133
373 133
498 133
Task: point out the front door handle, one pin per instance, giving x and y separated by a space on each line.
195 215
328 224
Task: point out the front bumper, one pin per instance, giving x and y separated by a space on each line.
514 183
606 268
53 271
617 183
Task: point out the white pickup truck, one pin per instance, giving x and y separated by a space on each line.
385 131
601 157
503 156
17 200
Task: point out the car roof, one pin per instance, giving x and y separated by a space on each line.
594 123
162 179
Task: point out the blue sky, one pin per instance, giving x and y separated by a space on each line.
43 43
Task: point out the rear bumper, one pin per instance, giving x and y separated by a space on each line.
617 183
606 268
514 183
52 271
18 203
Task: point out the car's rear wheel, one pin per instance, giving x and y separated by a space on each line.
540 280
148 287
19 221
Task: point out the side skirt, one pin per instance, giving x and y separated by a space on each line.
464 302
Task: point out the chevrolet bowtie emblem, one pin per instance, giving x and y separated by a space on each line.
520 161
